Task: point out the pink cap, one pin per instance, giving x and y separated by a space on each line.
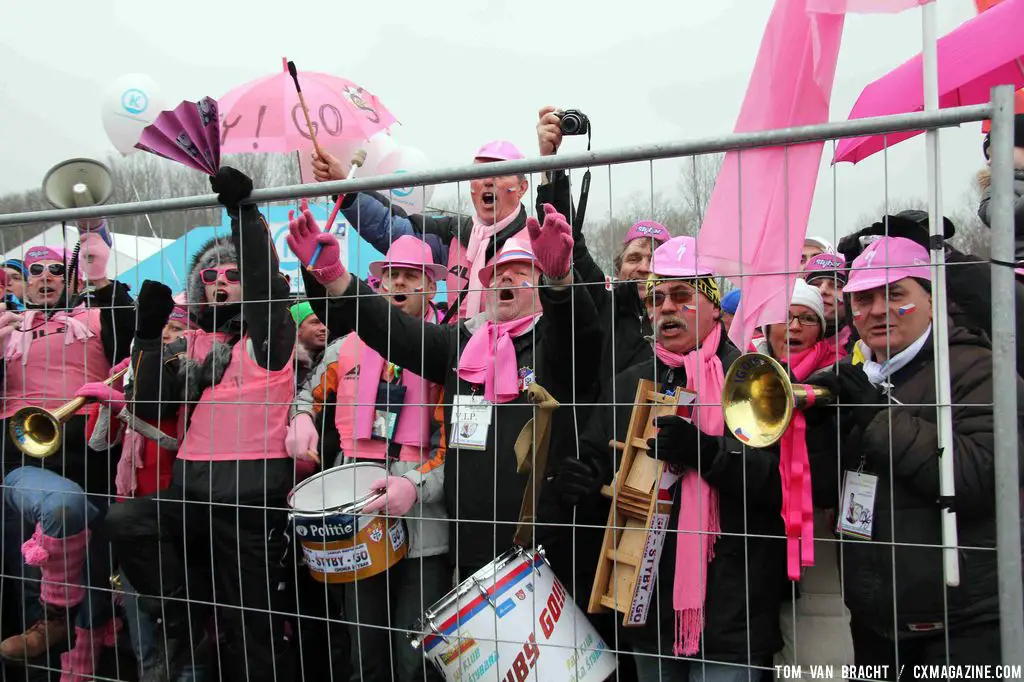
512 251
648 229
409 252
180 313
499 150
888 260
678 258
38 253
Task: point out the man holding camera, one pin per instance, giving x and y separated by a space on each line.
463 244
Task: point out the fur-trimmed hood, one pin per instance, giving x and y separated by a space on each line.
214 252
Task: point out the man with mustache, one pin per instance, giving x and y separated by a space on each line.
727 501
485 365
363 390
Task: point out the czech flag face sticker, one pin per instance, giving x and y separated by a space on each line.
742 436
906 309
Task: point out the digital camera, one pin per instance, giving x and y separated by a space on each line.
573 122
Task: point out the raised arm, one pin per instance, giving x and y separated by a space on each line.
156 388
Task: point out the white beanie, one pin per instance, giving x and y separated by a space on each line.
806 295
822 243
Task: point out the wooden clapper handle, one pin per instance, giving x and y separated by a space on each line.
532 455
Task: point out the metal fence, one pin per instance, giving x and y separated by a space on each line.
323 626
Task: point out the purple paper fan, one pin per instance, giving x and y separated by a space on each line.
189 134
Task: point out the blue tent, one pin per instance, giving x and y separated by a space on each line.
171 264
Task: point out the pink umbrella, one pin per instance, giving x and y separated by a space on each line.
985 51
264 115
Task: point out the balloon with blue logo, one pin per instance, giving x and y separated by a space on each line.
407 160
130 104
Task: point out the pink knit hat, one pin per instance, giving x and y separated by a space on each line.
180 312
38 253
498 150
888 260
648 229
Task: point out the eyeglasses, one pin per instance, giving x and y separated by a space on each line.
56 269
805 319
231 274
678 296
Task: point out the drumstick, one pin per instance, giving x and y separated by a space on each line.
305 110
357 160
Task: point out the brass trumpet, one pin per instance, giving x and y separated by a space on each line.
36 431
758 399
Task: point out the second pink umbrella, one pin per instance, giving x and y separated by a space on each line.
985 51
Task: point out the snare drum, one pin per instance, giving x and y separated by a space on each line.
340 545
510 621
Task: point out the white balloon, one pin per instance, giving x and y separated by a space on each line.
407 160
130 104
377 149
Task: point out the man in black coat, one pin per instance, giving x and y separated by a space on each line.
738 617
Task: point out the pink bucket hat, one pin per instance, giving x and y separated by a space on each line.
513 251
38 253
888 260
498 150
678 258
409 252
649 229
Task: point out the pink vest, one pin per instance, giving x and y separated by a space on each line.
49 361
413 428
458 276
245 415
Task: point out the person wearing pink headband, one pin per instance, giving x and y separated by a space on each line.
885 485
63 347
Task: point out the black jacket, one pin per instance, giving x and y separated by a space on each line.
483 492
623 318
749 561
910 515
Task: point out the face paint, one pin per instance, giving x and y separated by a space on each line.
857 314
906 309
741 436
688 308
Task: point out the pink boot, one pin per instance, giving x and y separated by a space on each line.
78 664
61 561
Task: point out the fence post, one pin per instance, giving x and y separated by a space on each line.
1004 369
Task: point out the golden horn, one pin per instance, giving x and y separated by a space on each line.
36 431
758 399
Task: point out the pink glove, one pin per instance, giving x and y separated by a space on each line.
301 439
304 236
121 365
9 321
97 390
398 498
552 243
92 257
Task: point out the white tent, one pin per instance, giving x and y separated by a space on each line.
126 252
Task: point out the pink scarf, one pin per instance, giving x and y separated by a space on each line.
131 459
479 238
371 366
698 506
489 358
795 468
20 340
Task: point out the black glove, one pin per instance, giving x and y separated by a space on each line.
681 443
155 304
231 186
859 399
912 225
577 480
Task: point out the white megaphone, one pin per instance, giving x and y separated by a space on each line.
76 183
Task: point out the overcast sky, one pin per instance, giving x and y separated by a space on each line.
458 73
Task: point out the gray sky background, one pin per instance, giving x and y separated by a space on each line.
461 72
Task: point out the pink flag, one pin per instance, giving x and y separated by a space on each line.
757 216
862 6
